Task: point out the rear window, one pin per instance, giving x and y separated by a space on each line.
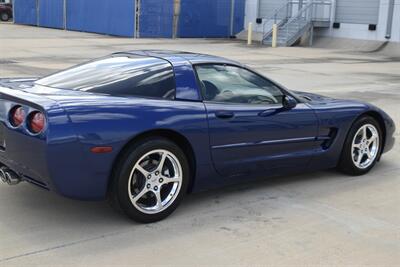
119 76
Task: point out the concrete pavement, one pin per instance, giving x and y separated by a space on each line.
322 218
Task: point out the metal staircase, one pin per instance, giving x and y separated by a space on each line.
293 20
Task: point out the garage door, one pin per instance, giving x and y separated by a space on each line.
266 8
357 11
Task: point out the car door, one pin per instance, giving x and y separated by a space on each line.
249 128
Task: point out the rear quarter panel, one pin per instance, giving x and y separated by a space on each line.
114 121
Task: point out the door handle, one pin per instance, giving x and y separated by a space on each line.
224 114
267 112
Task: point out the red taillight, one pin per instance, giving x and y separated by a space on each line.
36 122
17 116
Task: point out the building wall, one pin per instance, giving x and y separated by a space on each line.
156 18
360 31
25 12
346 30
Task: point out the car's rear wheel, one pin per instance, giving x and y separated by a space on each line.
150 180
4 16
362 147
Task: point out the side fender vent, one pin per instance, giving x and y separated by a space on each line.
327 140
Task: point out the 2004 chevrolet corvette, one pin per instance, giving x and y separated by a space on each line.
143 128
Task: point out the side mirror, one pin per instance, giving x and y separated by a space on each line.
289 102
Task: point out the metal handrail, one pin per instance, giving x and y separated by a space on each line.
301 19
274 18
299 14
304 13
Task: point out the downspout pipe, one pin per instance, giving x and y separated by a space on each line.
389 20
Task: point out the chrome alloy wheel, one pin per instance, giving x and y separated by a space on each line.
155 181
365 146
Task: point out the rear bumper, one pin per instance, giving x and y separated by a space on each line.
24 173
58 168
55 160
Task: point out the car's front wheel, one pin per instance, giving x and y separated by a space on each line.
151 180
362 147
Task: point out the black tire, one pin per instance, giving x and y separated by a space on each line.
119 194
4 16
346 164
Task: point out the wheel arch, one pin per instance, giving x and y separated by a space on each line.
378 117
174 136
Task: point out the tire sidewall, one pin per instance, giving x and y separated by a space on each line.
347 164
7 17
125 167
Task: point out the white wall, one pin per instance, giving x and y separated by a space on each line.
346 30
251 13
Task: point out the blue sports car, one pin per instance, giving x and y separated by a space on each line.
143 128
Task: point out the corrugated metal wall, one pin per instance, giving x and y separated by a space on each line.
156 18
210 18
357 11
197 18
25 12
238 19
51 13
101 16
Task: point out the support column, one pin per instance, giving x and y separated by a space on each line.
311 37
65 14
137 19
232 16
250 34
37 12
177 12
274 35
389 19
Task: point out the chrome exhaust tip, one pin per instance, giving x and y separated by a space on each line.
8 176
3 176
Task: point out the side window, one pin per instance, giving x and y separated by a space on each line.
224 83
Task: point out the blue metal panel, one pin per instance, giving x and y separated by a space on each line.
238 19
51 13
25 12
205 18
156 18
102 16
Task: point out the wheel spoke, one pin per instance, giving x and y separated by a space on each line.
140 194
162 162
142 170
364 132
158 199
356 146
372 138
368 153
168 180
359 157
